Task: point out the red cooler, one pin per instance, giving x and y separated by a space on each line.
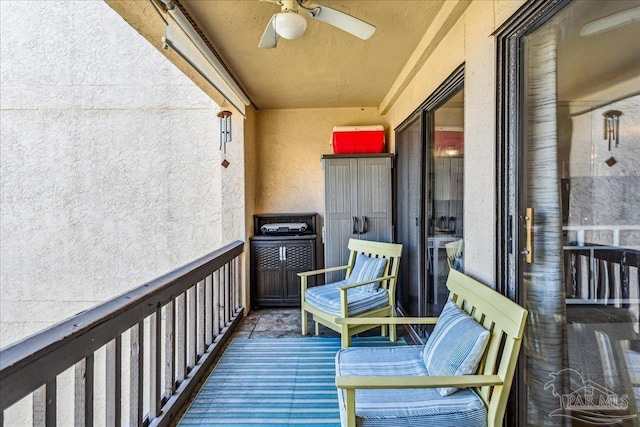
358 139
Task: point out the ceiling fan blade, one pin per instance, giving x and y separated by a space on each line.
269 38
610 22
345 22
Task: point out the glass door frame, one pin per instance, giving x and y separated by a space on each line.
510 162
453 84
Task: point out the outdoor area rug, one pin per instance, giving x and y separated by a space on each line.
273 382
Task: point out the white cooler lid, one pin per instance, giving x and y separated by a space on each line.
358 128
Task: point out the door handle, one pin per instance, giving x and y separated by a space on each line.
355 225
528 223
364 225
284 253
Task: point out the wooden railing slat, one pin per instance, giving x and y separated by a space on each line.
191 329
155 365
216 302
44 405
200 328
227 310
136 382
170 373
113 387
181 337
208 309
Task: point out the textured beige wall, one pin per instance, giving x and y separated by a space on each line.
110 168
289 146
290 142
470 42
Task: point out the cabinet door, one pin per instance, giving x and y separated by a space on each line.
340 180
267 273
374 209
297 257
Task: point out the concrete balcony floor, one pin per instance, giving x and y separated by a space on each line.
285 323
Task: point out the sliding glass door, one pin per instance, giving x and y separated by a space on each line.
430 198
571 223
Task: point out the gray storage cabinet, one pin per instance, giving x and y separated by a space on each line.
357 202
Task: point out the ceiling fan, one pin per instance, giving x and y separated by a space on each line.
290 25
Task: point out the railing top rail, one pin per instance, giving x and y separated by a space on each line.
51 351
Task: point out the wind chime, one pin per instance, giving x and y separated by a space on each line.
612 126
612 131
224 124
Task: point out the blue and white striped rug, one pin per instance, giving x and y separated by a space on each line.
273 382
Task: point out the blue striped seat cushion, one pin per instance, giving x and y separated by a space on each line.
404 407
455 346
367 268
327 298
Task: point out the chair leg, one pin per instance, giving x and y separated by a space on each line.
392 333
350 407
384 330
317 328
345 340
304 322
345 337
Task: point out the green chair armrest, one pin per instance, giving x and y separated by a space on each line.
344 296
323 270
388 382
387 320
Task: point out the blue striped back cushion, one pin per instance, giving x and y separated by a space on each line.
456 345
367 268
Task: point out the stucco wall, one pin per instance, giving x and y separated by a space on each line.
110 168
289 146
469 42
299 137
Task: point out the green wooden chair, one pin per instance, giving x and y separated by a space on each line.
461 376
368 290
454 251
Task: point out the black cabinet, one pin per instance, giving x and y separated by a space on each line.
277 258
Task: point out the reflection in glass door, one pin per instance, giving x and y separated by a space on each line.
577 232
445 201
429 199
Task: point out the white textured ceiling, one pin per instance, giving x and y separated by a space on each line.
325 67
328 68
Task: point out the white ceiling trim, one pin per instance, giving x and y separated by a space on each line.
182 38
447 16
